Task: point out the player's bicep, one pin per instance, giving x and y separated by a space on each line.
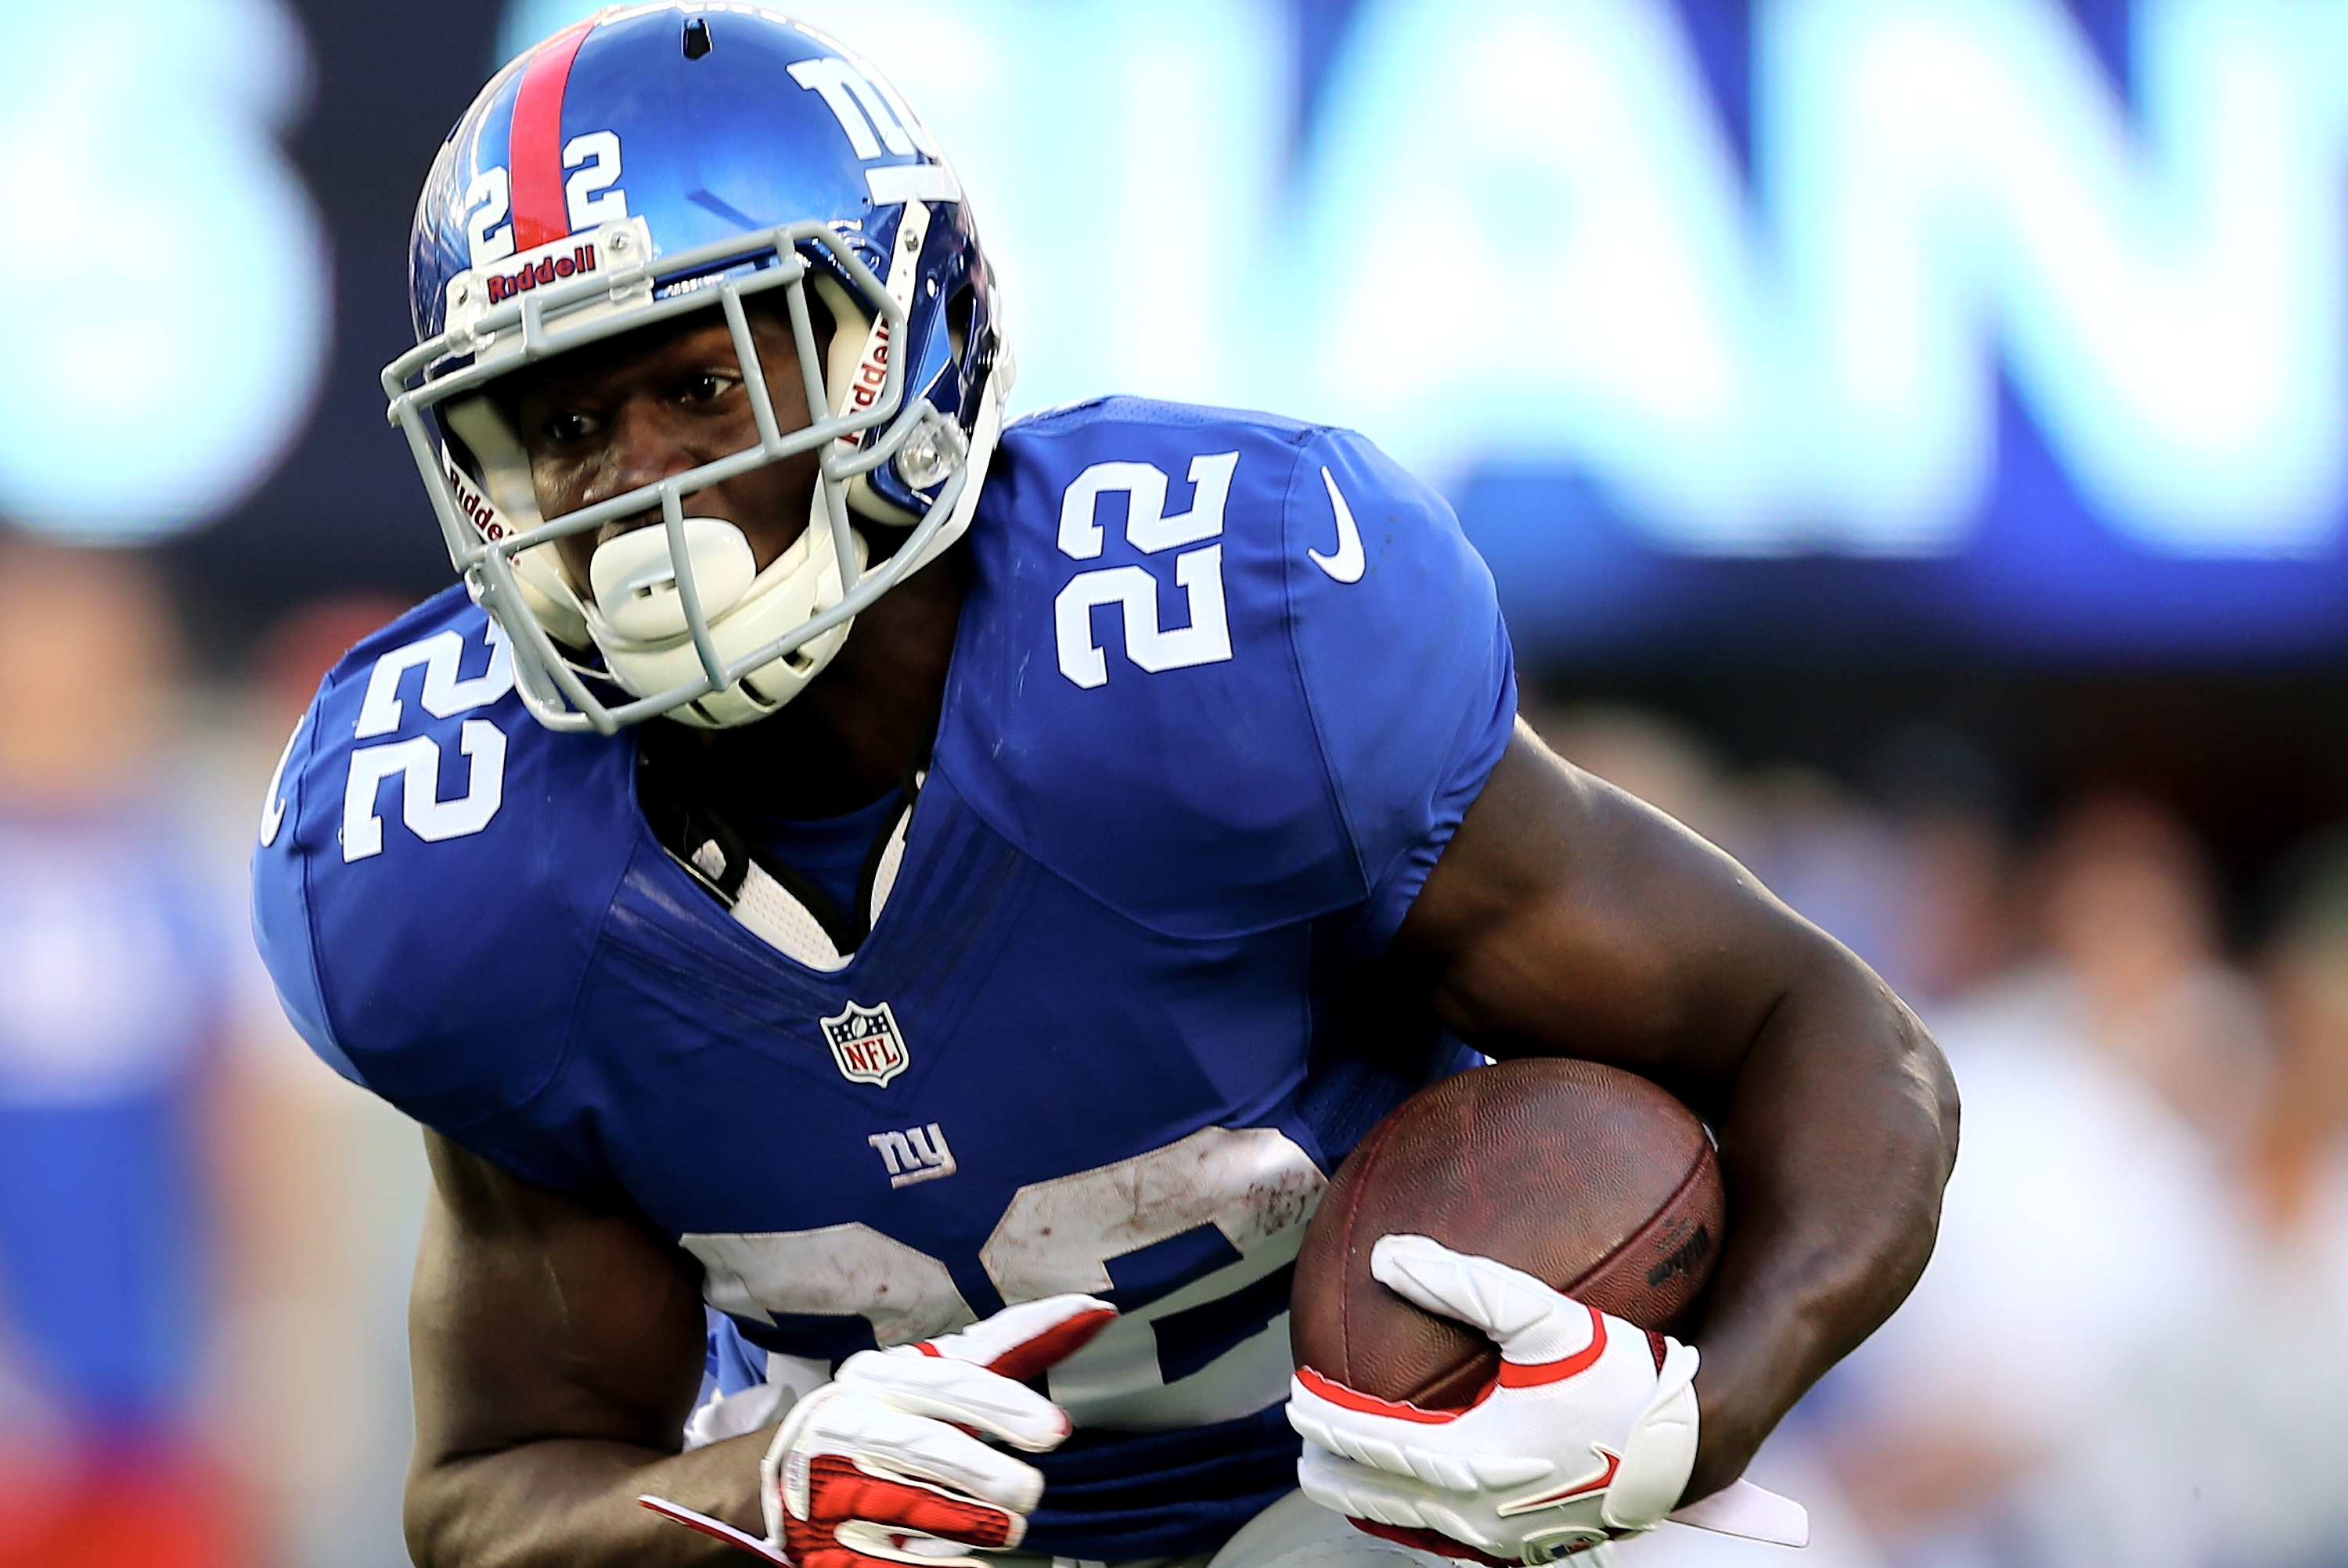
538 1315
1567 917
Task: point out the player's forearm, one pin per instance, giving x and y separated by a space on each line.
572 1504
1838 1138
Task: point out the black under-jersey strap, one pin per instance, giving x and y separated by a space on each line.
719 856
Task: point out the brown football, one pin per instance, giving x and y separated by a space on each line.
1588 1177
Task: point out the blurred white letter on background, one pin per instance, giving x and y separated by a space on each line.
1519 232
167 279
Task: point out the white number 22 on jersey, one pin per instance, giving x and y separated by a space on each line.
1254 1185
416 762
1199 573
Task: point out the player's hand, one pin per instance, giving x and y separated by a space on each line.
1588 1434
884 1464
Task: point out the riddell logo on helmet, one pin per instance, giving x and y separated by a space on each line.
475 506
546 270
872 376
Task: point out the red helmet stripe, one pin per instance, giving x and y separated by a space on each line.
535 147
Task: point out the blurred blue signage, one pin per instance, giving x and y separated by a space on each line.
2004 324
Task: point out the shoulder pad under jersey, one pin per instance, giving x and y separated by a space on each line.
433 870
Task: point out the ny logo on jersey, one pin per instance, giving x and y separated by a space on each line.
916 1155
867 1044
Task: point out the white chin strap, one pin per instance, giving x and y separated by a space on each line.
637 616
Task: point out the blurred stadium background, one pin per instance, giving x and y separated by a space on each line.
1911 436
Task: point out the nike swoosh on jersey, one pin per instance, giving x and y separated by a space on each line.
1348 564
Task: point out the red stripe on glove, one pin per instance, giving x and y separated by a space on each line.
1337 1393
839 1492
1031 1359
1527 1375
1599 1483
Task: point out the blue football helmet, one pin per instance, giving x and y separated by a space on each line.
664 159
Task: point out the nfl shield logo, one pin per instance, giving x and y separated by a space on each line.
867 1044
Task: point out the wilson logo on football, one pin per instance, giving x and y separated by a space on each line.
532 274
867 1044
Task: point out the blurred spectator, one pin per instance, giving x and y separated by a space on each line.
1646 755
1951 803
2092 1228
324 1183
1957 930
1836 860
2227 1441
2302 1152
2252 1412
2131 920
109 1011
2286 1503
1917 892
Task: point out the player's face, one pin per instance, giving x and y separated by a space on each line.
602 422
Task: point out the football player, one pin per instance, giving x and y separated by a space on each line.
941 893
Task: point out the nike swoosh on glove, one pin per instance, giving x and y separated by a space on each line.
881 1465
1588 1433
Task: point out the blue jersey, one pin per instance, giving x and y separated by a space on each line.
1223 687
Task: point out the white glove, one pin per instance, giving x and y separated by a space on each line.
1588 1434
878 1466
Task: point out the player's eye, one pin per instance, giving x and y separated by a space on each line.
572 426
706 386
